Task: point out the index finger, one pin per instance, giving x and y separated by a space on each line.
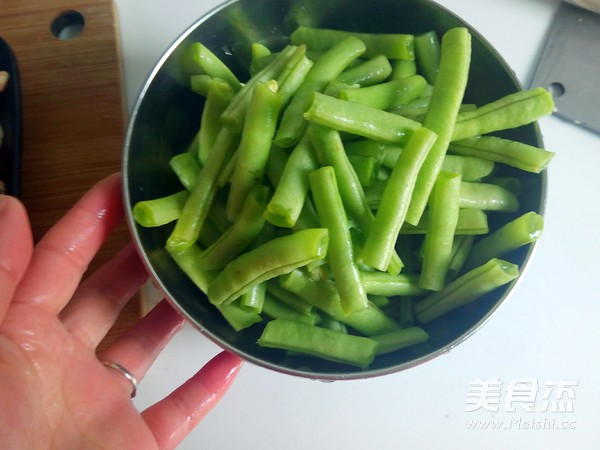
64 253
16 245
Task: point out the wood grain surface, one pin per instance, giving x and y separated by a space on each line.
74 115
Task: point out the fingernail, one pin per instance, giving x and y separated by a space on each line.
222 369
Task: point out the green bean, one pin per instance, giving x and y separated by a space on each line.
289 197
427 55
521 231
470 221
359 119
466 288
200 84
406 312
510 111
332 324
239 317
516 154
254 299
198 59
290 82
234 115
368 73
330 210
443 218
393 46
470 168
255 145
386 95
159 211
186 261
240 235
488 197
330 151
461 247
402 68
396 199
366 168
324 295
511 184
186 167
199 202
369 147
445 103
258 54
322 342
276 257
276 309
288 298
396 340
218 98
384 283
325 69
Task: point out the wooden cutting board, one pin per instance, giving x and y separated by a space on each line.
74 115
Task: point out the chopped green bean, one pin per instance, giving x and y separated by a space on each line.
234 115
517 154
359 119
386 95
393 46
218 99
368 73
330 210
488 197
402 68
325 69
396 340
255 145
289 197
276 257
200 84
461 248
443 218
199 202
470 221
240 235
159 211
279 310
186 167
239 317
198 59
396 198
510 111
384 283
427 55
254 299
521 231
322 342
324 295
288 298
466 288
445 103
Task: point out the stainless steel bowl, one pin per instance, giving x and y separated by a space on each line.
167 115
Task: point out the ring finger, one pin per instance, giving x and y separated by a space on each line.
138 347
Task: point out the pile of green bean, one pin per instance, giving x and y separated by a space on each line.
339 196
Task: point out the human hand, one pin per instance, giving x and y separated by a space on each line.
54 390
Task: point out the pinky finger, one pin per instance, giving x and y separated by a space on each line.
172 419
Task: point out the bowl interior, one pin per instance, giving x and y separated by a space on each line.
167 116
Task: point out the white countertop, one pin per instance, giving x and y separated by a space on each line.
545 332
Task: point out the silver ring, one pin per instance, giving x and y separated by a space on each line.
126 373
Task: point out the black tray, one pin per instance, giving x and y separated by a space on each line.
10 118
